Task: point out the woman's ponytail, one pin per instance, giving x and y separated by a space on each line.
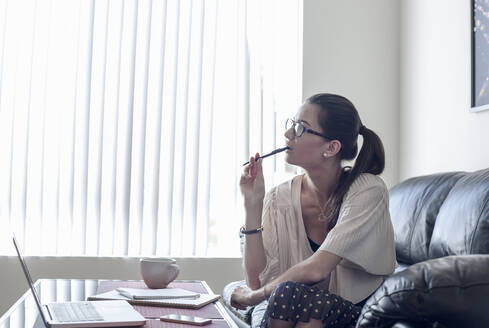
340 119
371 158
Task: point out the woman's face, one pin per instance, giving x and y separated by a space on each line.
307 150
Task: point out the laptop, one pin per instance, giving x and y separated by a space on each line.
82 314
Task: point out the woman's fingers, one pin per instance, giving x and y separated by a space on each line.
254 163
259 168
238 306
252 169
236 294
247 170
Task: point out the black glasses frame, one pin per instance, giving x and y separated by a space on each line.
304 129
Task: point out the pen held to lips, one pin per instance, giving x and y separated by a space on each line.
276 151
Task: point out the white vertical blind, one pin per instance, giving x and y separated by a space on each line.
124 124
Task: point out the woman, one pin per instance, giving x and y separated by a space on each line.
329 227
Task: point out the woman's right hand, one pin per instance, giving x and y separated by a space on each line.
252 183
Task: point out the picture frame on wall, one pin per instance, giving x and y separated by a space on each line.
480 55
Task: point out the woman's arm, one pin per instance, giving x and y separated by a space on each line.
254 259
252 185
310 271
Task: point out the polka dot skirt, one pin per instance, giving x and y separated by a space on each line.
294 302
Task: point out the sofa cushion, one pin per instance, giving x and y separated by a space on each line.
450 290
414 206
462 225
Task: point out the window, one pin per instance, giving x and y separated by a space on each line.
124 124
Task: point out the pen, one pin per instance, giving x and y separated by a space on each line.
276 151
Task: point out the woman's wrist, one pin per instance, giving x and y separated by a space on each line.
259 295
253 208
253 218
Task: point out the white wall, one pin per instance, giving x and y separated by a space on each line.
217 272
351 47
438 133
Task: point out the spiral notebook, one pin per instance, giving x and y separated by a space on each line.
186 303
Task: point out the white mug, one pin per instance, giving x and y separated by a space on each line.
158 273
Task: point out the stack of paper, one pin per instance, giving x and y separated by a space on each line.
156 294
195 302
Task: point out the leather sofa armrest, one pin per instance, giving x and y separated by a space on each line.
445 292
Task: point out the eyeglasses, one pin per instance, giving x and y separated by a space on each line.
299 129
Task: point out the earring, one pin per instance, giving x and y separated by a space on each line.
325 155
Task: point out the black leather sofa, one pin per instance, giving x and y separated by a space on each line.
441 225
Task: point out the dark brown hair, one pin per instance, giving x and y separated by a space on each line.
339 119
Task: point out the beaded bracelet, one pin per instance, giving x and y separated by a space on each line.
250 232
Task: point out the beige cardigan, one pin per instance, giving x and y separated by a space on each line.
363 237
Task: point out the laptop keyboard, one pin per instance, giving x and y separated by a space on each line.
72 312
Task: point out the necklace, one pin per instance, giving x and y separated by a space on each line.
322 215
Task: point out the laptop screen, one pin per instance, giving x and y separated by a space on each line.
29 281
